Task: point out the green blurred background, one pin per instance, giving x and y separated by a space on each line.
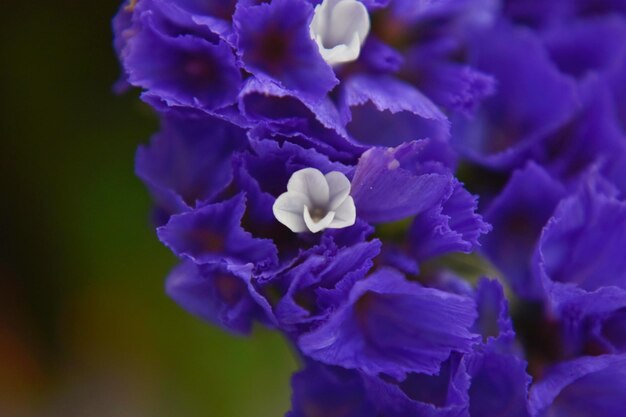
85 329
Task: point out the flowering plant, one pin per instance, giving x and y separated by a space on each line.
318 171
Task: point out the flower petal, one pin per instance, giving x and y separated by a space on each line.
310 182
339 188
289 210
345 215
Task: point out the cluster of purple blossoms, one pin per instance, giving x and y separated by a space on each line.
312 173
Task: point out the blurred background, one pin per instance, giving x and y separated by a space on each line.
85 328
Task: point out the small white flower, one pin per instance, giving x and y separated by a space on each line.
340 27
315 202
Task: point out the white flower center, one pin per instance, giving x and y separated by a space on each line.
315 202
340 27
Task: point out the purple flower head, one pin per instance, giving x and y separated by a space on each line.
305 178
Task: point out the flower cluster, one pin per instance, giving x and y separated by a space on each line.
310 174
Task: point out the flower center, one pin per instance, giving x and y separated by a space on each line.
318 214
339 27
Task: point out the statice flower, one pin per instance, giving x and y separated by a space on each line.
321 170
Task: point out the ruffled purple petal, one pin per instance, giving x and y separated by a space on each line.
494 321
385 111
453 226
288 114
393 184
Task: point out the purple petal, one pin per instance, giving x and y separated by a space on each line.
440 395
319 120
494 321
499 385
453 226
393 184
385 111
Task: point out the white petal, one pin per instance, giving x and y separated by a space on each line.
339 27
339 188
322 224
345 215
310 182
289 210
348 17
340 54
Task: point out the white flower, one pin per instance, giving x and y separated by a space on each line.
315 202
340 27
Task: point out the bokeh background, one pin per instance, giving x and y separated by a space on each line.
85 328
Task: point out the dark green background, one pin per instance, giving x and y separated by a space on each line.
85 329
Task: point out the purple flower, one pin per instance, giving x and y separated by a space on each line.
442 395
376 333
274 44
589 386
579 256
518 215
533 99
213 233
175 164
185 66
321 390
217 293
